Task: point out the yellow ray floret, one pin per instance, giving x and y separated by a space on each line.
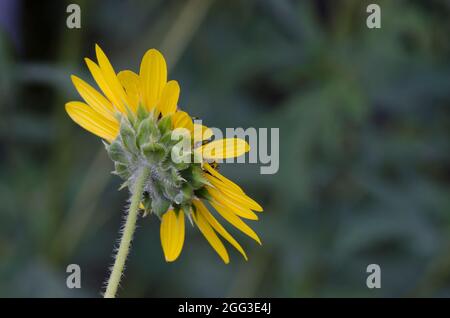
131 83
105 88
111 78
201 208
211 236
232 193
238 209
235 221
224 148
222 178
92 121
153 74
182 120
168 103
172 234
96 100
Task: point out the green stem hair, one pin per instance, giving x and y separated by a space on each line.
127 235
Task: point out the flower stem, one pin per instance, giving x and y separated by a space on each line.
127 235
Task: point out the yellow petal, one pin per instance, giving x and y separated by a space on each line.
172 234
211 236
233 194
201 208
153 74
131 83
96 100
182 120
235 221
216 174
224 148
92 121
226 202
110 77
202 132
168 103
104 86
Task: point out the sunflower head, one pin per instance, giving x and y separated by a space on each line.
144 128
146 139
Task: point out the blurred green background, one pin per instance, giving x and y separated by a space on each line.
364 153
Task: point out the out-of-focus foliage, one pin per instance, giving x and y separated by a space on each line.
364 153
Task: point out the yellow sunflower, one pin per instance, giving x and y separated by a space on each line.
136 115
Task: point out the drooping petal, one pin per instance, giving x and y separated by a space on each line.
168 102
153 74
131 83
226 202
233 194
172 234
235 221
224 148
92 121
211 236
110 77
216 174
182 120
104 86
201 208
96 100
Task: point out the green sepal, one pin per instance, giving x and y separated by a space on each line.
160 205
121 170
198 179
149 129
165 124
147 132
203 194
182 165
117 153
171 193
124 185
131 117
194 175
153 152
188 192
141 112
128 136
166 139
176 177
186 208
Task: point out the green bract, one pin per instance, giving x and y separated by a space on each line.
146 140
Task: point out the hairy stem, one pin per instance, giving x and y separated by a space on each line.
127 235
